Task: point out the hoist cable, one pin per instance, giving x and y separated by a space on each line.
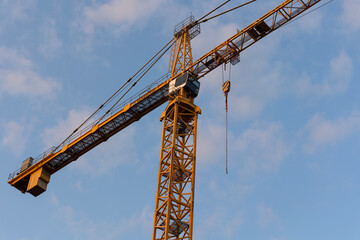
227 123
232 9
226 89
213 10
133 85
120 89
223 73
140 70
227 172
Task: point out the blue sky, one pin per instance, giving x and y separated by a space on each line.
294 121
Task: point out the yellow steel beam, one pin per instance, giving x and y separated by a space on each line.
225 52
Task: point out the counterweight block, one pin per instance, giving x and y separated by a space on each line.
38 182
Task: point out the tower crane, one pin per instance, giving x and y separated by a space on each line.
174 204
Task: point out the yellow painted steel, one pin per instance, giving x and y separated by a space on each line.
225 52
174 206
181 56
20 181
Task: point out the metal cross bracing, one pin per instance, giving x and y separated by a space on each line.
181 55
174 203
93 136
229 50
233 46
176 178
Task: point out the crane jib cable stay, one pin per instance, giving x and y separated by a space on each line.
142 75
174 204
201 20
145 66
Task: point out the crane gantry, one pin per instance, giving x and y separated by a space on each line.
174 205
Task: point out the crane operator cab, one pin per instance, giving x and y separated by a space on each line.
186 81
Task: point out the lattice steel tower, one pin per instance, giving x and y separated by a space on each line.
174 205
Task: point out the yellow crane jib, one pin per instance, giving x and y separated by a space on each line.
174 205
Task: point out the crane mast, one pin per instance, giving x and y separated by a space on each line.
174 205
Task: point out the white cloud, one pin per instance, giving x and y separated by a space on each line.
212 34
351 17
261 148
15 9
341 67
81 226
64 127
311 22
323 132
117 150
78 186
17 76
120 14
255 82
211 141
232 192
337 81
51 42
222 224
14 137
246 106
266 214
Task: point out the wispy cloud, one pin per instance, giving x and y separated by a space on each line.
211 141
119 15
51 42
64 127
14 136
266 214
18 77
15 9
311 23
81 226
223 224
336 81
350 16
255 82
262 148
117 150
212 34
324 132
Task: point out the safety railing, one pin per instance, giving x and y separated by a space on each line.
115 110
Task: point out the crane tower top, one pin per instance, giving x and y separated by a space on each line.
188 24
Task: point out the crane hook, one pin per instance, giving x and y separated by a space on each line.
226 90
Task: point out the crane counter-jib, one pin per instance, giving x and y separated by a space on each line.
228 51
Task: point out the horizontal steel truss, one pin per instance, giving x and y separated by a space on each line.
175 190
231 48
98 134
225 52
